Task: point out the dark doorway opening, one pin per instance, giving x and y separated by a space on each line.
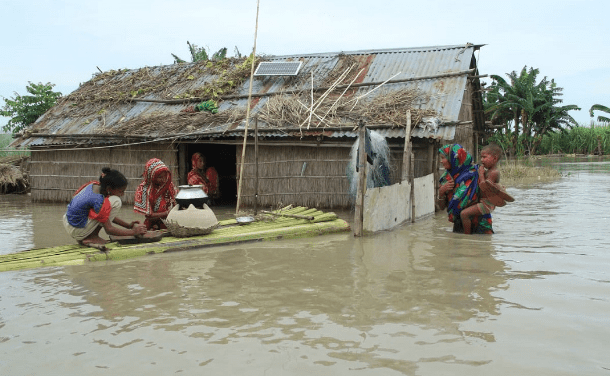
223 159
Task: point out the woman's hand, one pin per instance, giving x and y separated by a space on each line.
134 223
447 187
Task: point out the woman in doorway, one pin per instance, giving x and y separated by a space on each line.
200 175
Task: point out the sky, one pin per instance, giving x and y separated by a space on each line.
65 42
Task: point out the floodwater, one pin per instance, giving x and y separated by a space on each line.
532 299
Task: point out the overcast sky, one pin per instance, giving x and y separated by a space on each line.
65 41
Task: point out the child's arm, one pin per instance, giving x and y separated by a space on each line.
488 180
134 228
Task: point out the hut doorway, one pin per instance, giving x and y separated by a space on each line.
223 159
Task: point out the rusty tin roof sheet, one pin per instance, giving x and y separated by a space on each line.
445 93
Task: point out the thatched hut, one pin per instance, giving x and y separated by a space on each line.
306 122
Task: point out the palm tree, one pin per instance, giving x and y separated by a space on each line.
599 107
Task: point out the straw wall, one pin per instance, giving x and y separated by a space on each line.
422 163
56 174
301 175
311 176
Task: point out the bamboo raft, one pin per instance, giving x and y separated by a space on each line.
227 233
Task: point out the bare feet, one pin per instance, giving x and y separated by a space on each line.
93 240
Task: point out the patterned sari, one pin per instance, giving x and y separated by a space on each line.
150 199
209 179
466 191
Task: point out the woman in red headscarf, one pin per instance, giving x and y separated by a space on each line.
156 194
200 175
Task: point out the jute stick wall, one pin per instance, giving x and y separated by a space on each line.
307 175
56 174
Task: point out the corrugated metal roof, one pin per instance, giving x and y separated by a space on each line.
445 93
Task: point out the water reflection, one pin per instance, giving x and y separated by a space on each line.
16 225
382 302
531 299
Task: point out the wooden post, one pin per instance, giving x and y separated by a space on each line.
430 157
436 171
476 145
412 182
406 155
255 164
182 168
361 190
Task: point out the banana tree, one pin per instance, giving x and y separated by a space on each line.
600 118
530 108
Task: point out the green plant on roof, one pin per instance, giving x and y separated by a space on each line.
202 54
231 74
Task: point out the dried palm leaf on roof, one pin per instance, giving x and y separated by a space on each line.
114 87
160 124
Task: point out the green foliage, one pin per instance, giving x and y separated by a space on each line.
25 109
528 109
578 140
6 152
599 107
201 54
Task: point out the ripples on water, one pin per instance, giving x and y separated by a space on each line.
531 299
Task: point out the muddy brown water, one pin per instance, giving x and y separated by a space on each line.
532 299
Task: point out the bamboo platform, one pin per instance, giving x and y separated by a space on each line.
228 232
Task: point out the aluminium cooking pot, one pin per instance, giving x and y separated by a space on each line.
191 194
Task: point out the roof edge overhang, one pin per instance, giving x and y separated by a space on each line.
377 51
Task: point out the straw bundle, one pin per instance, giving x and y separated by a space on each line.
334 110
12 180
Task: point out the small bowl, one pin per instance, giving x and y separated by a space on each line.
244 220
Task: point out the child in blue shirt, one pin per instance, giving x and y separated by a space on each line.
96 205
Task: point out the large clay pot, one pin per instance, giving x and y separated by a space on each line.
191 195
191 221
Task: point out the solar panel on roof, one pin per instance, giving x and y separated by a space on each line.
287 68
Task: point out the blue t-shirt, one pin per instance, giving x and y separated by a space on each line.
78 208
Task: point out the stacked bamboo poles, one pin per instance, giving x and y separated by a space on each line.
55 175
279 228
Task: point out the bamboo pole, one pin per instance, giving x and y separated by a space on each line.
243 152
361 190
308 217
255 164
